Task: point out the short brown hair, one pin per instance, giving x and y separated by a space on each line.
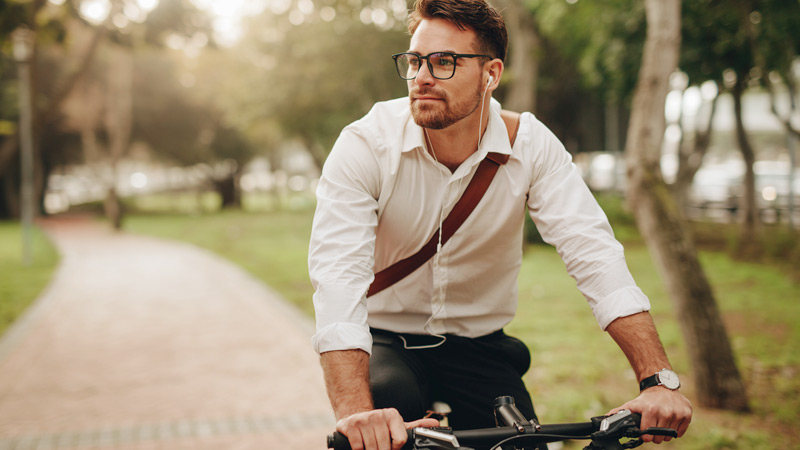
477 15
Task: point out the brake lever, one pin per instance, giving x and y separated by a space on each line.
654 431
658 431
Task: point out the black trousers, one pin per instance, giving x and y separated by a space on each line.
466 373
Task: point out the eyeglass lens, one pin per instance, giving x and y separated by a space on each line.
441 65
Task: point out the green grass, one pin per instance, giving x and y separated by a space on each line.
577 369
20 284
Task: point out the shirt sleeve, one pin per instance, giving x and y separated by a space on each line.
568 217
342 244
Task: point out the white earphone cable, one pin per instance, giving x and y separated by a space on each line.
429 143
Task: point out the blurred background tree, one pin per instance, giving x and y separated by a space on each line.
161 81
741 46
83 84
294 74
318 72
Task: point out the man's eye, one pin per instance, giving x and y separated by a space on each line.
442 60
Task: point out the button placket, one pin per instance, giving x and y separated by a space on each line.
438 305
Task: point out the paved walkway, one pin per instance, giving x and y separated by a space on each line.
140 343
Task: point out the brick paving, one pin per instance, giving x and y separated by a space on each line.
140 343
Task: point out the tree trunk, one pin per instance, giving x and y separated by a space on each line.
9 203
228 191
318 152
42 119
113 208
118 123
523 67
690 157
748 209
717 379
612 131
50 111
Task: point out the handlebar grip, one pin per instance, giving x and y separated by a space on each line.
338 441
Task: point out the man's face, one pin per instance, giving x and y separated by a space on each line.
435 103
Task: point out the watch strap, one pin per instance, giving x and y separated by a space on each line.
649 382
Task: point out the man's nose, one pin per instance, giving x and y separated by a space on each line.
424 76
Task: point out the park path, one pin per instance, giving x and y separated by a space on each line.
141 343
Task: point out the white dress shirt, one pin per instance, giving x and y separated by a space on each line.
382 196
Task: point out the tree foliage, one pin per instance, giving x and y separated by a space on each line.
310 79
604 38
306 68
61 32
745 37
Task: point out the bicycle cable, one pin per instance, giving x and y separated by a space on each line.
500 444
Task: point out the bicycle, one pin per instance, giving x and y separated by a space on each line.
514 431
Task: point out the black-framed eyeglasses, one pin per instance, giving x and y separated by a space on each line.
442 65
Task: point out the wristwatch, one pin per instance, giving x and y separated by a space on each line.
663 377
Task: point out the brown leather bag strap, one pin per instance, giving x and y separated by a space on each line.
466 204
511 119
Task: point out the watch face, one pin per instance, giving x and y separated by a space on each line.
669 379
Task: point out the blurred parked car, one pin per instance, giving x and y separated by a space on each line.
715 187
602 171
773 187
721 188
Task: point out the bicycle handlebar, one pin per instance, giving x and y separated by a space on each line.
603 430
481 437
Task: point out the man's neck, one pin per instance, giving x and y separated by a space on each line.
454 144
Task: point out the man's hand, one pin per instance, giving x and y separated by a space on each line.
661 407
380 429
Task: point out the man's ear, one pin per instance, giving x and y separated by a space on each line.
495 69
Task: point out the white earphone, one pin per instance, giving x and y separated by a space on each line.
491 78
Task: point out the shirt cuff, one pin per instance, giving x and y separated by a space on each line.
342 336
623 302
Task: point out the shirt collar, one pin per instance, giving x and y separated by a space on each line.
495 139
413 137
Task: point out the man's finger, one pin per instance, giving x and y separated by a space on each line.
682 427
423 423
398 433
382 438
370 441
355 438
647 422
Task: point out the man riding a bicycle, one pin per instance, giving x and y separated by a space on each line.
392 185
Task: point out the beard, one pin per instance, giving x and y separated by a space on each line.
442 113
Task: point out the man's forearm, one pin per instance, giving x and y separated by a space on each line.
636 335
347 381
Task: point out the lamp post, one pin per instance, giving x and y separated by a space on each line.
23 39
